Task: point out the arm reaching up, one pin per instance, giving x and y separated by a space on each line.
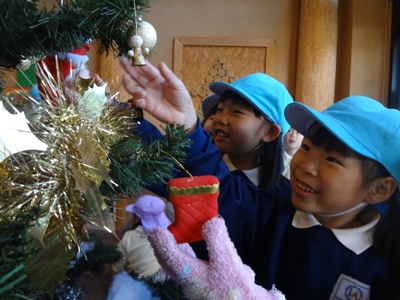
159 92
223 277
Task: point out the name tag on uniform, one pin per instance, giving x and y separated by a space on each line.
347 288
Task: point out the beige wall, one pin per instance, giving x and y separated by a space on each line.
269 19
364 48
371 48
363 36
229 18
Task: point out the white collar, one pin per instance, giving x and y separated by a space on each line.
286 156
251 174
356 239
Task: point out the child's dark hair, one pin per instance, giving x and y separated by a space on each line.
271 158
210 113
386 239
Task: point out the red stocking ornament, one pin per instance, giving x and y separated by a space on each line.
195 202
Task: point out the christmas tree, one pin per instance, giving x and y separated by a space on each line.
81 156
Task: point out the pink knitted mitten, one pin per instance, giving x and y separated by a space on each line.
223 277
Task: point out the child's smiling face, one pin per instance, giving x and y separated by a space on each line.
237 130
326 182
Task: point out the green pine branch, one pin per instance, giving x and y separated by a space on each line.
26 31
15 245
135 164
95 259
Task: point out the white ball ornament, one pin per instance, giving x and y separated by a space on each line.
148 33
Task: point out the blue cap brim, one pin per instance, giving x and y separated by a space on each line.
208 103
221 87
301 117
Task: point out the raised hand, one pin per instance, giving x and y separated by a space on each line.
159 92
223 277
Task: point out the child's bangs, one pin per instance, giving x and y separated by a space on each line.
321 137
237 99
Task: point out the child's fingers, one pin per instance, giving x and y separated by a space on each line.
140 75
171 79
132 88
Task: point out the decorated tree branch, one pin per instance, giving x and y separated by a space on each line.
55 161
29 32
66 160
74 148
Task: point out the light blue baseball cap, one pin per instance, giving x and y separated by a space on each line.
361 123
265 93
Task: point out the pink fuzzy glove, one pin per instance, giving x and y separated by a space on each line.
223 277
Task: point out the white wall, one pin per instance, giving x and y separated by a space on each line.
270 19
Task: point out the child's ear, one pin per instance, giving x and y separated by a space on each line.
381 189
272 132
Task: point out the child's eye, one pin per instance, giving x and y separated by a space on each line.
236 111
332 159
305 147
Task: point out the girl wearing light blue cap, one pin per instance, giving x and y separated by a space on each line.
339 238
345 177
248 125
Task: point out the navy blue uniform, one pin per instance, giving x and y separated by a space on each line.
304 263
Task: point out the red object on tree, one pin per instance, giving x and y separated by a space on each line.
195 201
62 66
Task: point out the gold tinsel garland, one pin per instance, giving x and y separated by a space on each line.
64 180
